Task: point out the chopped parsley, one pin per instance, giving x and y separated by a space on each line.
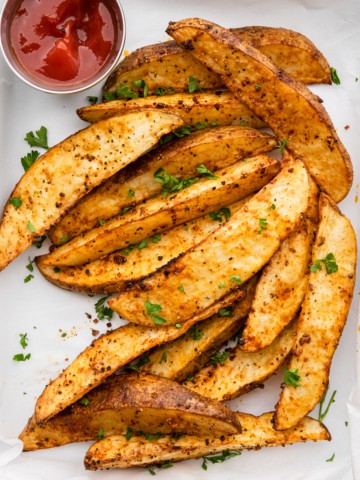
218 216
141 84
143 244
272 206
171 184
102 222
181 288
124 210
140 362
100 435
92 99
331 458
292 378
178 325
29 159
123 92
219 357
258 87
16 202
334 76
193 85
20 357
23 340
263 224
235 278
163 358
205 172
194 333
151 470
222 285
85 401
225 312
28 278
130 193
160 92
323 413
129 433
329 262
64 240
152 309
38 243
282 145
102 311
30 266
38 139
30 227
222 457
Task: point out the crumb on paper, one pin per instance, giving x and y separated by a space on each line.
347 127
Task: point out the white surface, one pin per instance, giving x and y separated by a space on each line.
41 310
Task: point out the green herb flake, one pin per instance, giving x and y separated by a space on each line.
166 464
346 424
219 357
39 242
140 362
152 309
193 85
331 458
160 92
225 312
222 285
30 266
64 240
108 96
56 269
23 340
292 378
258 87
334 76
181 288
92 100
102 222
124 210
16 202
151 470
322 412
28 278
63 334
30 227
178 325
163 358
141 84
102 311
205 172
171 184
129 433
20 357
263 224
194 333
282 145
38 139
222 457
100 435
85 401
329 262
272 206
235 278
29 159
223 214
125 92
130 193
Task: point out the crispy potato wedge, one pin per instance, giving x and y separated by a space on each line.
323 315
116 271
280 291
157 214
180 358
220 107
142 402
231 254
167 65
295 114
243 371
218 147
109 353
116 451
72 168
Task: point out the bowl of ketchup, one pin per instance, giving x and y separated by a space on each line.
62 46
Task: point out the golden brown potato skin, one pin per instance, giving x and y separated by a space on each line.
142 402
295 114
168 65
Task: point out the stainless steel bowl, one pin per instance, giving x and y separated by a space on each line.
7 13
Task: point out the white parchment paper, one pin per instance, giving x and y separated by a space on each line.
44 312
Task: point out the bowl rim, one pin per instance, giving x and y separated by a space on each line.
23 75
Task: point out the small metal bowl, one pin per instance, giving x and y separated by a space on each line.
7 13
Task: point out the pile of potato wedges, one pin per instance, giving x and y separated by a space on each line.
206 229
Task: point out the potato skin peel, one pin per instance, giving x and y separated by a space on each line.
289 108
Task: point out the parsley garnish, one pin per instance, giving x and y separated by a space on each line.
219 458
29 266
138 365
20 357
125 92
235 278
100 435
37 139
194 333
170 183
164 91
152 309
163 357
141 84
38 243
322 414
102 222
282 145
56 269
143 244
262 224
334 76
30 227
181 288
29 159
64 240
151 471
129 433
92 100
329 262
28 278
16 202
205 172
331 458
85 401
222 285
193 85
225 312
272 206
258 87
218 216
292 378
103 312
219 357
178 325
23 340
130 193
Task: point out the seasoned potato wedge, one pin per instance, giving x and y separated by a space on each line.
180 358
141 402
323 315
296 115
218 147
231 254
110 352
116 451
206 108
167 65
116 271
159 214
242 371
72 168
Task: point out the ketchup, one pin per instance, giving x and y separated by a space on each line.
62 41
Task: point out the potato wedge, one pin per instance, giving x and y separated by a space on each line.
323 315
243 371
218 147
206 108
116 271
116 451
180 358
72 168
233 253
167 65
107 354
296 115
157 215
140 402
